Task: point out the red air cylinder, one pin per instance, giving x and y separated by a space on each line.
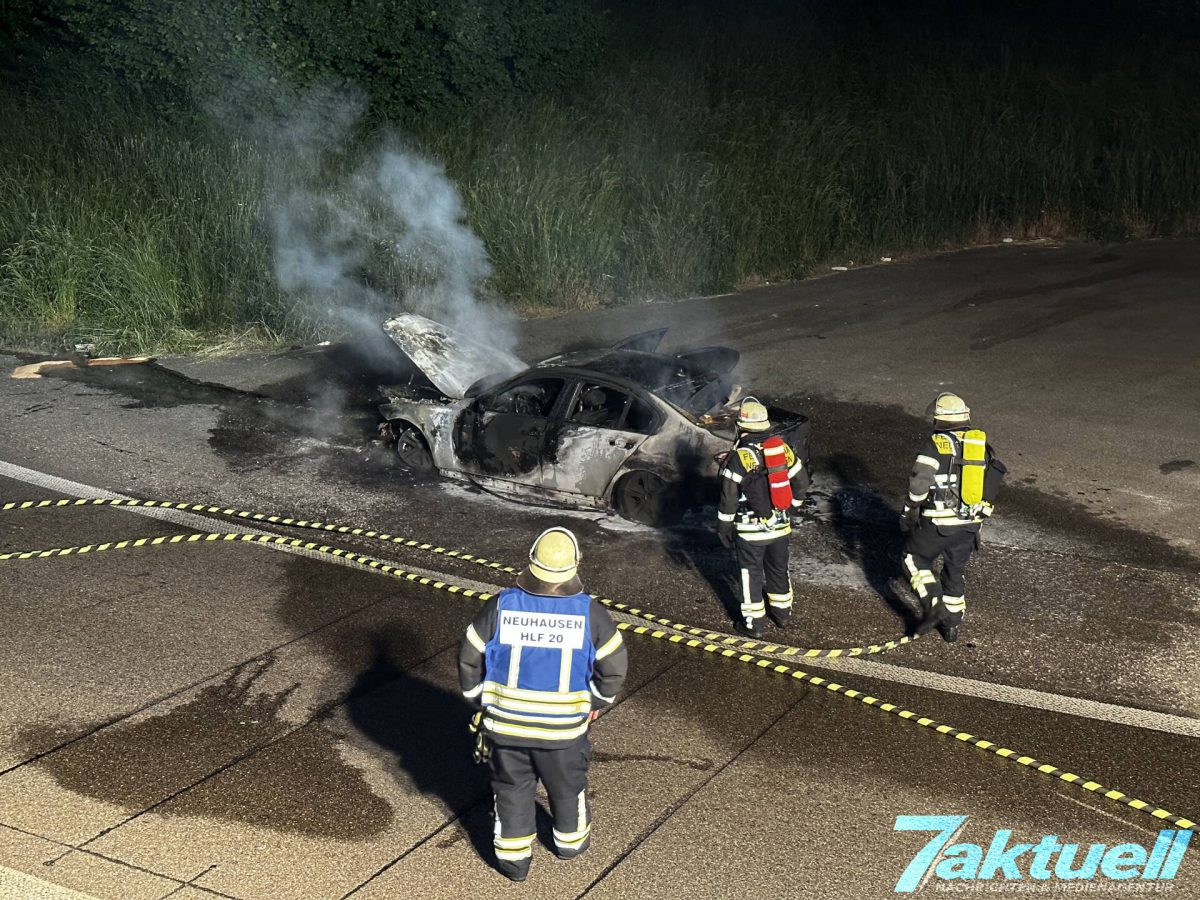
775 460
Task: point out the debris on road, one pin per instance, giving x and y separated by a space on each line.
35 370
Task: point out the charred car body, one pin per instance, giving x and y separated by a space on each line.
624 428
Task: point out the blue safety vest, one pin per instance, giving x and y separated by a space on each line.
538 667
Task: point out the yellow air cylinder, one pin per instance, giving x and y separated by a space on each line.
974 456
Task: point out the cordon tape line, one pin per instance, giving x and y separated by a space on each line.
670 636
1030 762
733 642
241 537
783 650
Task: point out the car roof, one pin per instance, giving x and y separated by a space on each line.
650 371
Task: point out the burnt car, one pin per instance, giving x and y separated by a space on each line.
625 428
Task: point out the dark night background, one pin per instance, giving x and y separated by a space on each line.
605 153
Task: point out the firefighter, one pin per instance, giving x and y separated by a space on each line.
951 491
541 660
763 483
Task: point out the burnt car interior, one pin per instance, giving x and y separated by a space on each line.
504 433
601 406
680 380
528 398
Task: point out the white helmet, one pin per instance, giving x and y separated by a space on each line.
752 416
554 557
950 409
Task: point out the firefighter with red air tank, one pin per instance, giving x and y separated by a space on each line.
763 483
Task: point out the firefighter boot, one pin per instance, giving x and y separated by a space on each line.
751 627
948 626
931 616
952 616
514 871
780 616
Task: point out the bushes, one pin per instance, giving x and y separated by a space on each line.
714 151
404 54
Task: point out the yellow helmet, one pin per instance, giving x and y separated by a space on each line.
554 557
752 416
950 409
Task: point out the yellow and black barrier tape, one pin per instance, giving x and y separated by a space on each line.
784 650
242 537
730 641
670 636
908 715
268 518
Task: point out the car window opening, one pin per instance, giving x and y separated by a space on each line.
529 398
599 407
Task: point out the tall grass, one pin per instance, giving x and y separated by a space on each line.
714 155
120 227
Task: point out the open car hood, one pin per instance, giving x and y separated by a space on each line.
448 358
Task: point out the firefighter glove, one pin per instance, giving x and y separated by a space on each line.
482 751
725 533
908 520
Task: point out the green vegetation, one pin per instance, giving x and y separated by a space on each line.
122 229
713 148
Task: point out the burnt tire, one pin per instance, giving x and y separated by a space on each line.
412 450
647 499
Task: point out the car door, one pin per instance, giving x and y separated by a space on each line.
501 436
602 426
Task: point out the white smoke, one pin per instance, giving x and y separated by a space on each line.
363 229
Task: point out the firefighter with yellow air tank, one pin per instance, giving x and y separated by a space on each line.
953 486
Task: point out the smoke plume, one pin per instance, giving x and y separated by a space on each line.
363 226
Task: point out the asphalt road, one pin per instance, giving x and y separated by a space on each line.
224 720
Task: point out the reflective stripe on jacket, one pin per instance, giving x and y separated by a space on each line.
538 665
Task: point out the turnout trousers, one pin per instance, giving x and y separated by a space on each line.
515 774
763 567
944 598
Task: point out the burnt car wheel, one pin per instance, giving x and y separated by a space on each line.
411 448
647 499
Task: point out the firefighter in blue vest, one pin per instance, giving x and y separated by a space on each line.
951 492
541 660
763 484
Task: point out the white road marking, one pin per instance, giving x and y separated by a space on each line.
969 687
1107 814
1017 696
15 885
